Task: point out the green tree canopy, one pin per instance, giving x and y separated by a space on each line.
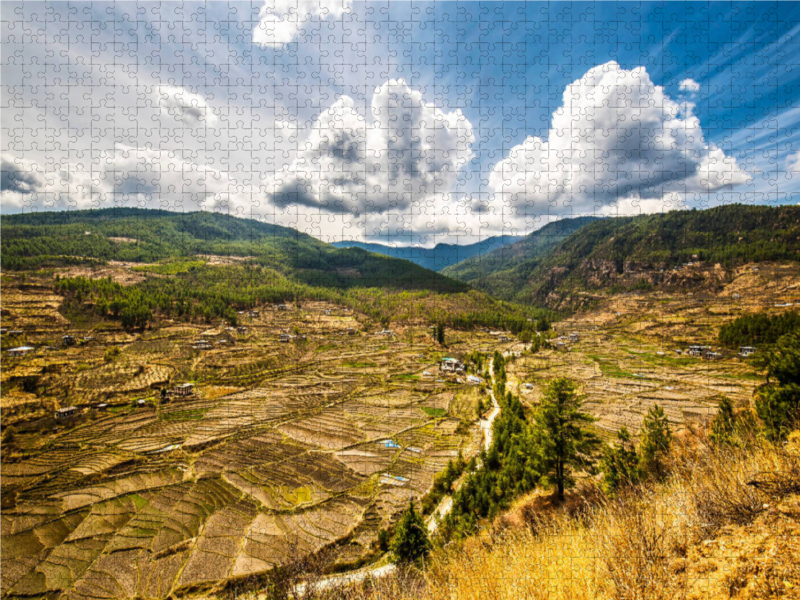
778 402
656 440
410 543
620 463
560 435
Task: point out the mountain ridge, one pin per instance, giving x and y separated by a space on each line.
438 257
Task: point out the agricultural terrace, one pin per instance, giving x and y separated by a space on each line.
303 429
625 355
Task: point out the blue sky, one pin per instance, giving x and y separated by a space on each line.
400 122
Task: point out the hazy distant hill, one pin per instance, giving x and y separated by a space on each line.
634 252
438 257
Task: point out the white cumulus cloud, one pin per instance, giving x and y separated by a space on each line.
280 21
183 105
404 153
689 85
617 136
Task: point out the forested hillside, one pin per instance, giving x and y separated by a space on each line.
502 269
179 256
134 235
643 252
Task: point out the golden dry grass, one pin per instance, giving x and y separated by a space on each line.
658 542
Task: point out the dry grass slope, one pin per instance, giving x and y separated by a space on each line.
725 524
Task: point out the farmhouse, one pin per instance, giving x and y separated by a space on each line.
474 380
736 296
283 307
254 314
574 337
183 389
64 413
713 355
385 332
746 350
451 365
242 330
350 331
285 337
102 406
697 350
201 345
20 351
68 340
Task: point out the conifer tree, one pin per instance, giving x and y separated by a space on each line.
778 402
656 439
560 436
724 423
620 464
410 543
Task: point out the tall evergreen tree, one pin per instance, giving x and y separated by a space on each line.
560 436
656 440
410 543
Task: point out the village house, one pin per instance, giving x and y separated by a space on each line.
65 413
350 331
183 389
242 330
254 314
697 350
574 337
20 351
474 380
385 332
283 307
202 345
285 337
451 365
713 355
102 406
68 340
736 296
746 351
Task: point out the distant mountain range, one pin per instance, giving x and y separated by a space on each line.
440 256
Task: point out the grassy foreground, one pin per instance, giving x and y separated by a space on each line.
725 523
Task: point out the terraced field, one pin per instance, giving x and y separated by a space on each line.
283 449
626 361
